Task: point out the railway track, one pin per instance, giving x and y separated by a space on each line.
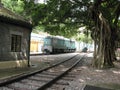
42 79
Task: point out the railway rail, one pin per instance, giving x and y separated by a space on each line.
42 79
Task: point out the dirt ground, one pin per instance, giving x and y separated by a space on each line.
105 78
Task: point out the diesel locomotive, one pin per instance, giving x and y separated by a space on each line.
54 44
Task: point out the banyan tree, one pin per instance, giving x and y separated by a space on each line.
105 16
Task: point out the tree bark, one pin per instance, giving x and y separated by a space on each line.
104 52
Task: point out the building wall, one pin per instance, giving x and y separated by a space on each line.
37 41
9 58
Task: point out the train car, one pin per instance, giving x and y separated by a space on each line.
72 46
69 45
54 44
47 46
58 44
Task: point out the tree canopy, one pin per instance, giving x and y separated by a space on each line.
14 5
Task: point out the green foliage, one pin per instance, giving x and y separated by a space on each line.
35 12
14 5
83 37
57 17
63 17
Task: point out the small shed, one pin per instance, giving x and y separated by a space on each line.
14 40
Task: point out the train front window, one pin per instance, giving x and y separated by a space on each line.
47 41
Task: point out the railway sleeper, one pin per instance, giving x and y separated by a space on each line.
22 86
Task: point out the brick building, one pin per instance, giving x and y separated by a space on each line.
14 40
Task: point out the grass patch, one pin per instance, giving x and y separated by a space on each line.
5 73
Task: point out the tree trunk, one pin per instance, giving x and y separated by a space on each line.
103 56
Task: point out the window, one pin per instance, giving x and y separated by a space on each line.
15 43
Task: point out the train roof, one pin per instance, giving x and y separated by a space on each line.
60 37
34 35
